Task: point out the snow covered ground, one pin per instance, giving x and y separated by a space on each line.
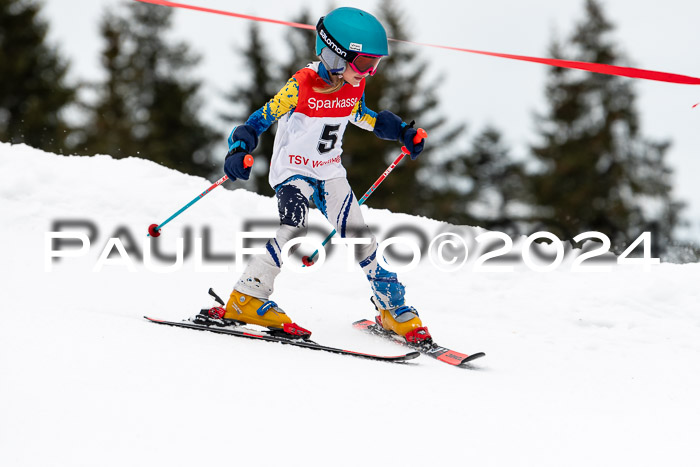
582 368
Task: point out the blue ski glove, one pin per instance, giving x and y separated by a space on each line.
407 135
233 166
389 126
243 140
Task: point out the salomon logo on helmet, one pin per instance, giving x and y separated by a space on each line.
332 45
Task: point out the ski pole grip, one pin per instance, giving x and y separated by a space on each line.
420 136
248 161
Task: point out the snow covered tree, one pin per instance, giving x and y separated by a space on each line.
597 171
148 107
33 89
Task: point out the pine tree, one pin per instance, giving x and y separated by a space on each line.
148 106
599 173
109 130
33 89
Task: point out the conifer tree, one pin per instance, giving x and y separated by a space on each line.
598 172
33 88
109 130
148 106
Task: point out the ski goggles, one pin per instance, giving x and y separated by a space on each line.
365 63
362 63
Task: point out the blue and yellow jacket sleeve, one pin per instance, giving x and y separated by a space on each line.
282 102
363 116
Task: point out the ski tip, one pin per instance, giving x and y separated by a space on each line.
472 358
363 323
412 355
153 320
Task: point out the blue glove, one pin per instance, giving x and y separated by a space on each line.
242 141
389 126
233 166
407 135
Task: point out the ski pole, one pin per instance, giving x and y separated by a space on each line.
154 229
309 260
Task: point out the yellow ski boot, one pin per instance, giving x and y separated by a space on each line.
252 310
404 321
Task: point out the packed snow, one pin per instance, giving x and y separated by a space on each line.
589 368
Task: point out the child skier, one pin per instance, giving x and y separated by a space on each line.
313 110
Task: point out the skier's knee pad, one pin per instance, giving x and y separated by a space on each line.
292 205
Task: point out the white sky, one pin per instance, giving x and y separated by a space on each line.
662 36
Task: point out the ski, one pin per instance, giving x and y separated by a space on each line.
430 349
269 337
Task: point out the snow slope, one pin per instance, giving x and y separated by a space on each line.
582 369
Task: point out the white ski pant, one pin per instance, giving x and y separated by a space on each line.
337 202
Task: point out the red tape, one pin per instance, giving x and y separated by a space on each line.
586 66
615 70
227 13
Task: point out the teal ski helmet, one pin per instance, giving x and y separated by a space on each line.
350 36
